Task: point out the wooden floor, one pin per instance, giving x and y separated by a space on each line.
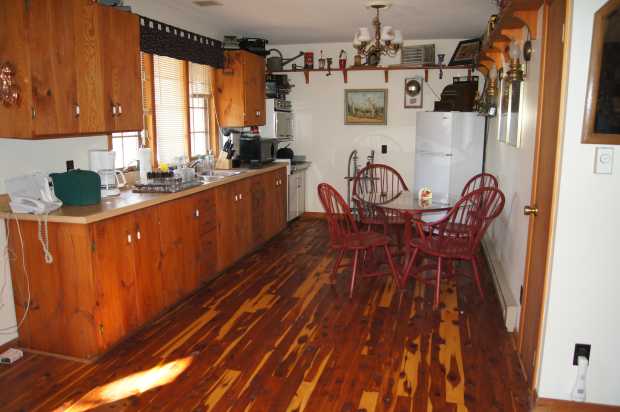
276 334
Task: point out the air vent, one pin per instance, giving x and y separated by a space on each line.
422 54
208 3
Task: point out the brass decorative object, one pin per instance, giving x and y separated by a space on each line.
515 72
9 90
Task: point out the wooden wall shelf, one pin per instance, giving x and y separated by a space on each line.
509 26
384 69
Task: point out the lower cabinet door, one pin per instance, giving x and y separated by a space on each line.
150 282
115 276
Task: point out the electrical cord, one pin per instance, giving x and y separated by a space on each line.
12 329
44 239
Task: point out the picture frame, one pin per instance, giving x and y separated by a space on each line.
414 92
601 123
466 53
365 107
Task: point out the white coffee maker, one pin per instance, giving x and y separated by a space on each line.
102 162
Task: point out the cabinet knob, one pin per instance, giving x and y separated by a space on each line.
138 235
240 196
34 113
258 113
197 212
114 110
77 110
129 238
119 109
236 198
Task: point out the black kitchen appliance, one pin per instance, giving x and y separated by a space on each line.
253 45
253 149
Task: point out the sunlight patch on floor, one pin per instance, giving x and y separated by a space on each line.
130 385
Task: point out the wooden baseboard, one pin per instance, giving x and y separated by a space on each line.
556 405
313 215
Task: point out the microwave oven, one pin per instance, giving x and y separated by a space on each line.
279 122
254 149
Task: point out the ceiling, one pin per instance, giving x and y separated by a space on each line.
317 21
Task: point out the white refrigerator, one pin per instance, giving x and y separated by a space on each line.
449 150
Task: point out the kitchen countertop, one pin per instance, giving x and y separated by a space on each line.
126 202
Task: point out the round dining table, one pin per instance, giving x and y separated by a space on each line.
403 208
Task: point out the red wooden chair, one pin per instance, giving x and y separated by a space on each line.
345 236
377 183
456 236
478 181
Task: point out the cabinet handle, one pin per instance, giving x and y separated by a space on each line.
77 110
114 113
120 109
129 238
138 235
197 212
240 196
34 113
236 198
258 113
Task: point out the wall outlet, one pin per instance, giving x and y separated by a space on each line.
384 148
581 349
70 165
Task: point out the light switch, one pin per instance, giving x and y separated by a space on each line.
604 160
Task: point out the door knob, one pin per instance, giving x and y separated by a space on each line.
530 210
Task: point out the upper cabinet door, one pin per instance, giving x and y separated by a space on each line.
122 76
240 90
87 23
254 86
55 103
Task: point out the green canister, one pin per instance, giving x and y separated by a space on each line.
77 187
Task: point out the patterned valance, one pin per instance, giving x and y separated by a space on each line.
165 40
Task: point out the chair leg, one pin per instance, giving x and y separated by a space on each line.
354 273
474 264
338 261
437 283
407 272
397 278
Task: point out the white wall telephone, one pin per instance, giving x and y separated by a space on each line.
31 194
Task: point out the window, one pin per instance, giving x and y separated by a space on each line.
199 97
125 145
177 108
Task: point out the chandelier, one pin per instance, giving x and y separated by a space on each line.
386 41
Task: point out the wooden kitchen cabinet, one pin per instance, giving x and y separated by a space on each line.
78 68
240 90
234 222
110 277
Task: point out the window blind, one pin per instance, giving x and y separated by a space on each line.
199 92
170 107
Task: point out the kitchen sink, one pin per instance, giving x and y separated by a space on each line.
219 175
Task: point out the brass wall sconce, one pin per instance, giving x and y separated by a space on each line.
492 87
515 71
9 90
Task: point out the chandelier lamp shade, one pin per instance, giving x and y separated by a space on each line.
385 41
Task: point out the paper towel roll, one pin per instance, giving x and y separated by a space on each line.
145 157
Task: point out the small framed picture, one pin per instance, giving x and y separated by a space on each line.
365 106
466 53
414 92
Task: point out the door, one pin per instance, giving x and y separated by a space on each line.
123 78
54 78
234 231
433 132
467 150
292 197
254 89
115 274
543 187
262 188
150 284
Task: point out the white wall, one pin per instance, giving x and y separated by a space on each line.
506 240
323 137
583 304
